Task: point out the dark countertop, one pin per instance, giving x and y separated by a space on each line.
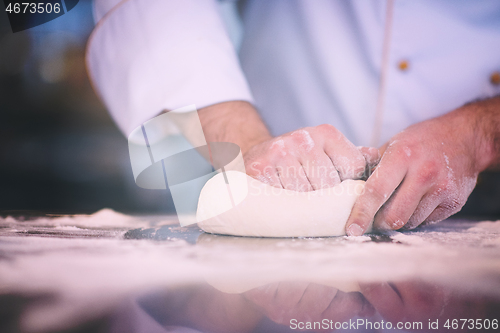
110 272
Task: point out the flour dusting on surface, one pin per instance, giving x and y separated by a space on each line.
50 254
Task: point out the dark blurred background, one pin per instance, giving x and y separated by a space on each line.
60 152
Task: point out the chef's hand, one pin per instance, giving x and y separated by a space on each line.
283 302
309 159
406 301
428 171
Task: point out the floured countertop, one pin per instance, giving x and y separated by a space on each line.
91 263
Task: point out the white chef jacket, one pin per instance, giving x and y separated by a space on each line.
370 68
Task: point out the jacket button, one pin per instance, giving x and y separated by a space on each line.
495 78
403 65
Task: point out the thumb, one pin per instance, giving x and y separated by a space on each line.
372 157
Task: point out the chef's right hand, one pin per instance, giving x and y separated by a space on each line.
309 159
406 301
294 301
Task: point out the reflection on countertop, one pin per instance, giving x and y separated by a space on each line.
110 272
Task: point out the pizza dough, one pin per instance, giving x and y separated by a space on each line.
233 203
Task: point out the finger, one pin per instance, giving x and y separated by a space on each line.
320 171
267 174
383 148
426 206
372 158
345 306
422 300
418 182
316 299
289 294
453 199
284 301
292 175
439 214
350 165
378 188
396 212
346 158
384 299
263 295
300 300
371 155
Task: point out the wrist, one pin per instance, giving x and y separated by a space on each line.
483 122
236 121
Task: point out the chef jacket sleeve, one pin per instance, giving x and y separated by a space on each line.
147 56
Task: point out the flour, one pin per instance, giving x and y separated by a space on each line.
306 142
459 254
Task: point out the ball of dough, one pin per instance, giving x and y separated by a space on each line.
233 203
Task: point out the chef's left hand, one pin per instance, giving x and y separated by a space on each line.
428 170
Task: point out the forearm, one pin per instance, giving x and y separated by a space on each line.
484 119
234 121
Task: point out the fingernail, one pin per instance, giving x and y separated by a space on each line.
354 230
394 226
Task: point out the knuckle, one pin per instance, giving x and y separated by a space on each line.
297 136
302 140
453 205
277 144
427 173
259 167
403 154
327 130
325 127
403 150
